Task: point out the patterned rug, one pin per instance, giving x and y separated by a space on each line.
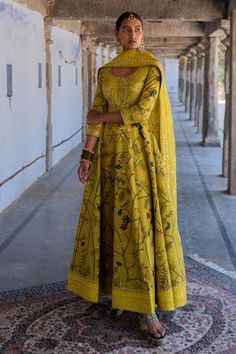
48 319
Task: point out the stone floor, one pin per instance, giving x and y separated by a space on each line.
37 231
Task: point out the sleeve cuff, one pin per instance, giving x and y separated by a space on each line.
94 129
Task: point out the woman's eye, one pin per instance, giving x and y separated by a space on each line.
138 29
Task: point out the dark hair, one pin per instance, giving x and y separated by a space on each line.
124 16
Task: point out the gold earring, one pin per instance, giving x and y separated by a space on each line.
141 48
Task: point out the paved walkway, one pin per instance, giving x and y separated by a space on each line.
37 232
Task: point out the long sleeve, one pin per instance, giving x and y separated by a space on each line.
141 111
99 105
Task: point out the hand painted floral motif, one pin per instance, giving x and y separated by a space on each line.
127 241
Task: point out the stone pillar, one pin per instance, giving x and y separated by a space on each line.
94 70
210 120
187 96
232 115
225 164
90 78
197 89
182 78
48 21
200 88
104 56
193 73
112 52
180 81
110 56
85 42
184 63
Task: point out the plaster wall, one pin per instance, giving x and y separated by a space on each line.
22 116
67 107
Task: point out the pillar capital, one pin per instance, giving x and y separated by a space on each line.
189 56
201 50
203 45
225 26
194 52
183 59
226 42
88 44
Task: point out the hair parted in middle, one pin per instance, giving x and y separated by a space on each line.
127 15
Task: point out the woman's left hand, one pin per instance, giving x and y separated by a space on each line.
93 117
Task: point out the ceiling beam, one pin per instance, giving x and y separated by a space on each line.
152 29
191 10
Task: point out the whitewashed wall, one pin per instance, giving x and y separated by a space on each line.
67 110
23 117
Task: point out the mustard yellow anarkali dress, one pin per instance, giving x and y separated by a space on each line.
127 240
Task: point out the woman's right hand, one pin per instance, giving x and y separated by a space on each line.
83 171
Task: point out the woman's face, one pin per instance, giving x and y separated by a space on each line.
130 34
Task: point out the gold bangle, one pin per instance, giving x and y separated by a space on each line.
92 152
86 155
85 160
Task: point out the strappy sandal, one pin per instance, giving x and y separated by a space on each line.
113 312
147 321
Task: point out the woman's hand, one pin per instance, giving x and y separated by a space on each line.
93 117
83 171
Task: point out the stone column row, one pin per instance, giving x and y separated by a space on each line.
198 92
198 89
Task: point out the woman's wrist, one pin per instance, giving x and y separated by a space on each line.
86 156
85 161
88 149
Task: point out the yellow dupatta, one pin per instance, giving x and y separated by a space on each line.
161 117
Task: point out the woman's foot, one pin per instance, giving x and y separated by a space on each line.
152 325
113 312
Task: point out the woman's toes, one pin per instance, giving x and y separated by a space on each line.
162 330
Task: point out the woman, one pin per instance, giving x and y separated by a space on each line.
127 243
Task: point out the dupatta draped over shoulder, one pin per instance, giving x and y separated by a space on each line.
169 290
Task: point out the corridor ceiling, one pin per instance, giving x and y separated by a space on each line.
172 27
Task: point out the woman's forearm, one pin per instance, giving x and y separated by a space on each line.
105 117
111 117
91 142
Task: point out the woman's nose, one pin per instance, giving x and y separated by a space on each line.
132 33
